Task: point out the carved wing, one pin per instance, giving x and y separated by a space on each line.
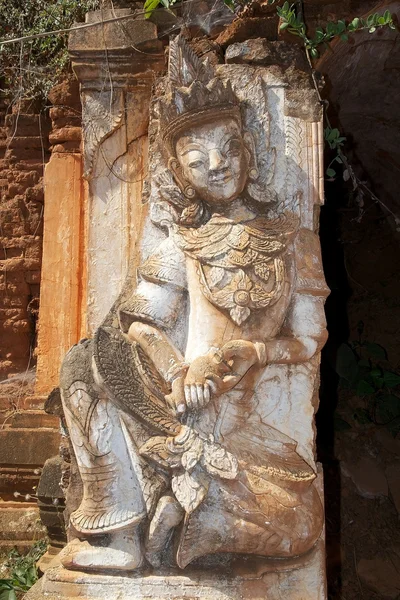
270 455
149 374
185 66
119 372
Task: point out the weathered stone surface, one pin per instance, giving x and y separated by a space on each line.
63 269
381 575
65 134
265 52
20 524
364 86
393 478
242 30
390 443
28 446
368 477
240 579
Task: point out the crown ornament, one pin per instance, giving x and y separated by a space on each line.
195 94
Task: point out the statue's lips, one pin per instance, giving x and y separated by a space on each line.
220 179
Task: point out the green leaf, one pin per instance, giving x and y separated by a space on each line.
319 34
387 16
346 363
394 426
340 27
8 595
356 23
344 37
372 29
149 7
387 408
5 584
340 424
390 379
364 362
376 351
330 172
314 53
283 26
370 20
330 28
364 388
362 416
331 134
376 373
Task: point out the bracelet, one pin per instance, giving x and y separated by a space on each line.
261 353
177 370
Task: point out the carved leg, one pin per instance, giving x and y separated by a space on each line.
118 551
168 515
112 497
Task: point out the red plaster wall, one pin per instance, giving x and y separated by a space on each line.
23 152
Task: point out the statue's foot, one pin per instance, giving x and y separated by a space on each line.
123 553
168 515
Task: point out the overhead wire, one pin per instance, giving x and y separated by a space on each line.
80 26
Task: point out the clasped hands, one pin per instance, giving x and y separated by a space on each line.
212 374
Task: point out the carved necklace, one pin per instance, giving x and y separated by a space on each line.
240 266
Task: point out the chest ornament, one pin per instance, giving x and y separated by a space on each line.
240 266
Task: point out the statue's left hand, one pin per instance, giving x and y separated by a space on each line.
220 370
200 381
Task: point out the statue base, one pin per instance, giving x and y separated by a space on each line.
221 578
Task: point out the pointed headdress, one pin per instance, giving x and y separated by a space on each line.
195 94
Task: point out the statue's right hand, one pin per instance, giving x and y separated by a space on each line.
176 399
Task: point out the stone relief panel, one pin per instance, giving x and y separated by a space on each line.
191 410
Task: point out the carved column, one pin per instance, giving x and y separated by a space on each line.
62 277
93 206
115 63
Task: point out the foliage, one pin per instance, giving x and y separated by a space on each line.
22 571
151 5
30 68
335 142
294 24
363 368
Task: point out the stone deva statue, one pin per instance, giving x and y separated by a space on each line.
175 459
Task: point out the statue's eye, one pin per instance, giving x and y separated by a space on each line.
234 148
195 164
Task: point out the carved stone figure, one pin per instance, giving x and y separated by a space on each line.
177 459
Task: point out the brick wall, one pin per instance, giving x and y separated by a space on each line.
23 152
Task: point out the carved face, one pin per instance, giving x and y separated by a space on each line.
215 160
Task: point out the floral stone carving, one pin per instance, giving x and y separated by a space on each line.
191 415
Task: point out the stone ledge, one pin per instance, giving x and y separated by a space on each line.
247 578
28 446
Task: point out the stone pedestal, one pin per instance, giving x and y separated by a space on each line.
242 578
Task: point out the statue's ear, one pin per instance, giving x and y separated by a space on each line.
252 157
176 170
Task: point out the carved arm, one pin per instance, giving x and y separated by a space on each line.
303 334
157 345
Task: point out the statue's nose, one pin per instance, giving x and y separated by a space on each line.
217 160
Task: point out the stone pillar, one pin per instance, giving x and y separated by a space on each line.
63 269
115 63
93 199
